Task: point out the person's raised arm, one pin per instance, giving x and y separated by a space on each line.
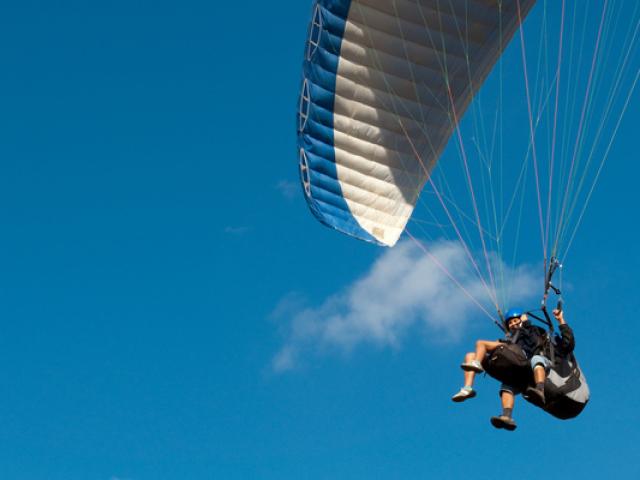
559 315
567 340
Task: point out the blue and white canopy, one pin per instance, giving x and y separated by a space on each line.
384 83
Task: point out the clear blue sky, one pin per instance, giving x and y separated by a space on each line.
149 233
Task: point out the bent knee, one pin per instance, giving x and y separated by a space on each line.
540 361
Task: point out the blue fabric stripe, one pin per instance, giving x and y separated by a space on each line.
317 138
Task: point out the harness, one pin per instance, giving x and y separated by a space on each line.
566 389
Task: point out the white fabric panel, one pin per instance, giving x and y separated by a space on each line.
395 60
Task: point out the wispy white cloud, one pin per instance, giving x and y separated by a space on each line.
289 189
404 289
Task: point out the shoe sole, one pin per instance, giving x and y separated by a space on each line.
462 399
468 368
500 424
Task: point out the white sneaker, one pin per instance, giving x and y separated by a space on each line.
472 366
464 394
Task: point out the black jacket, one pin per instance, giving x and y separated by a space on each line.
565 342
534 340
531 338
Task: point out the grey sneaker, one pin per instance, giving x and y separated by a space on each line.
472 366
505 422
464 394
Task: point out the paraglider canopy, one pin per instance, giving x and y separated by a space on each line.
391 91
384 86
